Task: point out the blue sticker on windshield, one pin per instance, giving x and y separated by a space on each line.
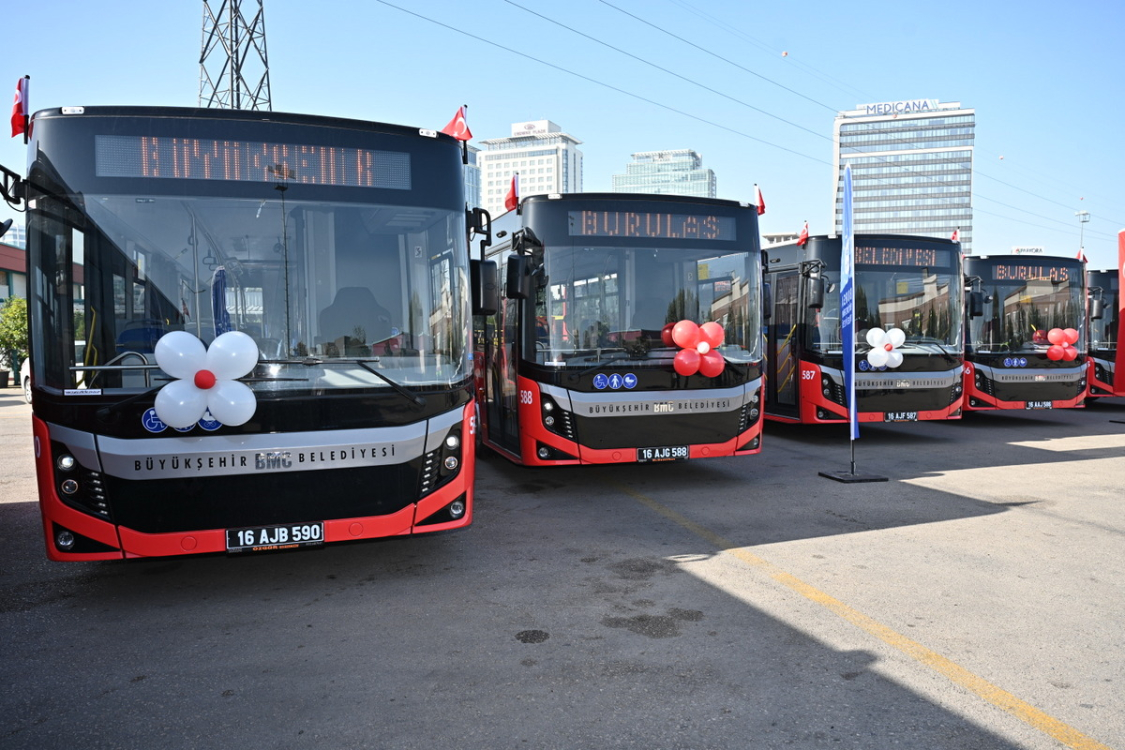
630 380
601 381
615 381
208 422
151 422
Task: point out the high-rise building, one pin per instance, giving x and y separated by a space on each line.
912 168
547 160
472 177
679 172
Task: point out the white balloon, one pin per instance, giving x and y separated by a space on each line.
180 403
894 358
180 354
231 403
232 355
897 337
877 357
875 337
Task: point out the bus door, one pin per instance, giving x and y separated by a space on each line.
501 355
784 366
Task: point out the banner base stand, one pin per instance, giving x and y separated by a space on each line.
850 477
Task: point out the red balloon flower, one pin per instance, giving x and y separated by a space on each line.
1062 344
698 345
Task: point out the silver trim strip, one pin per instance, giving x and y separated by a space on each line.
879 380
219 455
652 403
1033 375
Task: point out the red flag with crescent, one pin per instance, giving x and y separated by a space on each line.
804 237
512 199
458 127
19 108
759 201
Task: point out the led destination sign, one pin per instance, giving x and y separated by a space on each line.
651 225
926 257
249 161
1031 272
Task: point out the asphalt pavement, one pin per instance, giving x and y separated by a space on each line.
974 600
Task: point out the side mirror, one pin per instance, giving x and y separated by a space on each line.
767 301
483 276
976 304
518 282
1097 309
814 291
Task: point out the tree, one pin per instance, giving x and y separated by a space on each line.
13 333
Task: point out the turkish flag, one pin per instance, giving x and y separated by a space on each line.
804 234
956 236
759 200
512 199
19 108
457 127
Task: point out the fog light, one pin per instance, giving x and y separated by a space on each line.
451 462
66 462
827 392
457 508
549 421
69 487
543 452
753 413
452 442
64 540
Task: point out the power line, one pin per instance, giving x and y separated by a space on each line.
604 84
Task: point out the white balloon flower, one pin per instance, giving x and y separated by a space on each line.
884 347
206 378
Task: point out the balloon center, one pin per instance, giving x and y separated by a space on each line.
204 379
703 347
888 347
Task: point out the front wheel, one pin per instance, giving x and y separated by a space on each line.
27 389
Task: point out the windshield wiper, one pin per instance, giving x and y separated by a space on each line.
400 389
364 363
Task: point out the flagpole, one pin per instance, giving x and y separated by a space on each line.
465 143
847 334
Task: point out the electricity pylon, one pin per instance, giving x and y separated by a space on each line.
233 56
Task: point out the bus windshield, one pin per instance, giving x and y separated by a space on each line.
327 290
1019 315
603 301
924 303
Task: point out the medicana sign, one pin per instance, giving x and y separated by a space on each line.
899 108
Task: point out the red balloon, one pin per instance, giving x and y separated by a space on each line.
1071 336
687 362
686 334
666 335
711 364
1055 353
1070 353
712 333
1056 336
1039 337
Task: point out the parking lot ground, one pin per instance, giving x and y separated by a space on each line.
973 600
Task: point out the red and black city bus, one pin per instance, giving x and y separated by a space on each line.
908 308
629 331
274 327
1025 345
1105 315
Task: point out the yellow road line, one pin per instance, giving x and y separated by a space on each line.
957 674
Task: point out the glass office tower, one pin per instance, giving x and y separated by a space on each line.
912 168
679 172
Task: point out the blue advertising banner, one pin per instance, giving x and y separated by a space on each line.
847 303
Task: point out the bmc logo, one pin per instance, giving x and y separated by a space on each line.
273 460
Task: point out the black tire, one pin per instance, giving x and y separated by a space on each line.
27 390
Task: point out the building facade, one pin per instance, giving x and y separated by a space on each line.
678 172
472 177
547 160
912 168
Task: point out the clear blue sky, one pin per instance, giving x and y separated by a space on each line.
1047 81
